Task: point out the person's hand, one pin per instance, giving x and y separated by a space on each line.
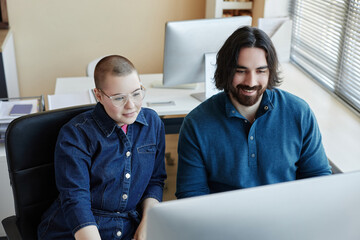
140 233
90 232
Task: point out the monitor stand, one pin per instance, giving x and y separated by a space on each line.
199 96
209 68
159 84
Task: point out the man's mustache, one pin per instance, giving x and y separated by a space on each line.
248 88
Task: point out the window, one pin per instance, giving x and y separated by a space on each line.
326 44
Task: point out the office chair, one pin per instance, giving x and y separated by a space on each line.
91 67
30 143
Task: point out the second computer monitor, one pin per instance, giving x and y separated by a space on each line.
187 42
313 209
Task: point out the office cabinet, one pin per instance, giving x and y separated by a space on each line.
9 86
227 8
254 8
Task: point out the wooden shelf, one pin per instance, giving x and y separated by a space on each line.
222 8
236 5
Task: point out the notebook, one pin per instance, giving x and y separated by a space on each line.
20 109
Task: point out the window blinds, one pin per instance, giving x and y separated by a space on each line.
326 44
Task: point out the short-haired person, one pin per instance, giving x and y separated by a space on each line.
109 162
252 133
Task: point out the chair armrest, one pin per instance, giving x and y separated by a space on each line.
11 229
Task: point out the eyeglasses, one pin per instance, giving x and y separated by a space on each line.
120 100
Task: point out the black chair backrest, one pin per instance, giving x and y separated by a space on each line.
30 143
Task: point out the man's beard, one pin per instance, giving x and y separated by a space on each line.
247 100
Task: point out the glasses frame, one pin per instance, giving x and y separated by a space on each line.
128 96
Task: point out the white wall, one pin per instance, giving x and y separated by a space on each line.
276 8
59 38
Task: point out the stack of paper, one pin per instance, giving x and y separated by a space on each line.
72 99
9 110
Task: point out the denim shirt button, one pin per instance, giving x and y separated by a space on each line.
127 175
128 153
118 233
125 196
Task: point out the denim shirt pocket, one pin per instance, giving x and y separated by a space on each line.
150 148
146 158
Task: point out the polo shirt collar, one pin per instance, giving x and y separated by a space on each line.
265 106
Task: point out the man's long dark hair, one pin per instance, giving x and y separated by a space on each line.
227 57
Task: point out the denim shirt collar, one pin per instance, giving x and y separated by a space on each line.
107 124
266 105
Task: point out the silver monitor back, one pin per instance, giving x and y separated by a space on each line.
313 209
187 42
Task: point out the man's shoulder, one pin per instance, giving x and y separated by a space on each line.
291 105
282 97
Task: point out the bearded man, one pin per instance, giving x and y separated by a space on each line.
252 133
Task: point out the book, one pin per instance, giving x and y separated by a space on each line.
20 109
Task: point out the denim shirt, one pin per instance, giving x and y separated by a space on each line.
101 171
220 150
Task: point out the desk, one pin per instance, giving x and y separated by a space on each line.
184 103
7 207
172 115
340 127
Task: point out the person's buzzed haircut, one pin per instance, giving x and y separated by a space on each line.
115 65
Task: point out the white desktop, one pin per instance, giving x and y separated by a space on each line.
191 47
321 208
187 42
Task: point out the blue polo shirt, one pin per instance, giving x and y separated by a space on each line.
219 150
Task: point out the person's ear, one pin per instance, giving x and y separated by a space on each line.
97 94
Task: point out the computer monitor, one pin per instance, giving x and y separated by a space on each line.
318 208
187 42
